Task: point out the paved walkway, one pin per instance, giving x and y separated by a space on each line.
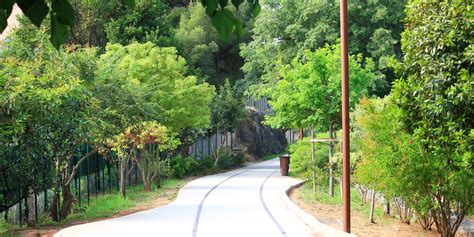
250 201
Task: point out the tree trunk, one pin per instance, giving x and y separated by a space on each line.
146 185
331 165
218 149
372 207
68 199
54 209
31 209
301 133
158 174
122 179
386 209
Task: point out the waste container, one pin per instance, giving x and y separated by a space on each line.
284 164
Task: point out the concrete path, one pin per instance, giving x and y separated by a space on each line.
250 201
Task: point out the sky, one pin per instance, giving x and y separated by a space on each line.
12 22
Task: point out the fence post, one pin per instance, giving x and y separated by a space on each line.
129 177
117 176
87 176
102 169
46 199
19 205
209 137
202 147
97 175
136 173
110 176
27 208
78 175
36 207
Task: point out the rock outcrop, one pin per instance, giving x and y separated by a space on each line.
255 139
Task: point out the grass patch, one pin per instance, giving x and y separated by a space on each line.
105 206
322 196
5 227
108 205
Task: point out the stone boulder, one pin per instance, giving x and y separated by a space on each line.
256 140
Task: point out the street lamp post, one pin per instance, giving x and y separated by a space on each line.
345 120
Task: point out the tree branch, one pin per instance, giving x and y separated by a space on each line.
76 167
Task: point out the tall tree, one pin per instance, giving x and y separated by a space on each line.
435 91
227 110
147 21
308 95
50 109
286 29
199 42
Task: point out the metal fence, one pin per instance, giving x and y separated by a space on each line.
98 175
95 176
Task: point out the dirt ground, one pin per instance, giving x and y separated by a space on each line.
49 231
331 215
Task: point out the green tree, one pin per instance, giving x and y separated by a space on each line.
91 17
143 143
49 109
435 91
227 110
147 21
286 29
390 159
62 15
202 47
143 82
308 95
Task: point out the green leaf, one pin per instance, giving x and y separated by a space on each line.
223 3
237 3
58 31
129 3
256 8
211 7
64 12
224 23
239 29
35 10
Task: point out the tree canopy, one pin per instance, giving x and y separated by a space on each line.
286 29
308 95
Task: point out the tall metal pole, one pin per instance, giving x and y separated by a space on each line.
345 120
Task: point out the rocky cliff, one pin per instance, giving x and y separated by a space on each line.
255 139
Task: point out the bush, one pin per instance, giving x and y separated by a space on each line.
205 165
182 166
228 159
301 163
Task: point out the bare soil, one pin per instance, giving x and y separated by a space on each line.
360 225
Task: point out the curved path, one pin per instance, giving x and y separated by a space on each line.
250 201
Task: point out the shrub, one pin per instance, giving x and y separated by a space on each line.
182 166
228 159
301 162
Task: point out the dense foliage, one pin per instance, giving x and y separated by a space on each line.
308 95
288 28
435 91
136 78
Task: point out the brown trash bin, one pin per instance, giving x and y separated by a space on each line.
284 164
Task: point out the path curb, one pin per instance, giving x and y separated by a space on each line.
319 229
